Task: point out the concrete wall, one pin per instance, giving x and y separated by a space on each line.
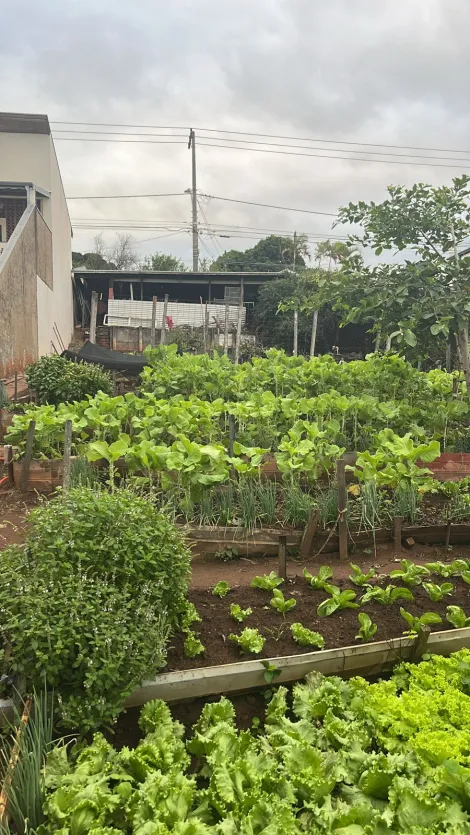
31 158
18 298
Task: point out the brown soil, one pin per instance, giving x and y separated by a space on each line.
338 629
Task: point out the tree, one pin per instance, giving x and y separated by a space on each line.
331 252
161 262
271 254
122 253
429 293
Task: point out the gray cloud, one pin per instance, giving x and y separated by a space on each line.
375 72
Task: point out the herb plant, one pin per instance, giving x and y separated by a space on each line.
55 379
306 637
249 640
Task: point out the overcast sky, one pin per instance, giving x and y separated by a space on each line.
393 72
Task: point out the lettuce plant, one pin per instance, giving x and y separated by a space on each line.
358 577
416 624
390 594
306 637
238 613
409 573
338 600
456 616
436 592
267 582
320 580
192 645
250 640
221 589
279 602
367 628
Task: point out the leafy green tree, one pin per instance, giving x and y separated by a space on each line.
429 292
161 262
268 255
91 261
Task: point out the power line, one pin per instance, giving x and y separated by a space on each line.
268 205
128 141
329 156
268 136
123 196
121 133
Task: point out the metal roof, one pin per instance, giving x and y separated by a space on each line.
24 123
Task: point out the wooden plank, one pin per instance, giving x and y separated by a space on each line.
152 323
309 533
28 454
231 434
8 461
366 660
342 508
397 525
421 643
282 557
163 330
67 454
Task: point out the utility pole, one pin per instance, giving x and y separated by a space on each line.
296 312
192 146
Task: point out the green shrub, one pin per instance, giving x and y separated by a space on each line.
55 379
88 603
117 535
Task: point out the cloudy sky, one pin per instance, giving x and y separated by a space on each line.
393 72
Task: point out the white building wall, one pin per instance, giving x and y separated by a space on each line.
133 314
26 157
45 306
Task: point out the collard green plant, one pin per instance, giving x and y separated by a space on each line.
238 613
358 577
367 628
249 640
416 624
386 596
267 582
338 600
221 589
437 592
457 617
280 604
306 637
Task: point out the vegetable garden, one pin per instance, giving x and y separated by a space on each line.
99 598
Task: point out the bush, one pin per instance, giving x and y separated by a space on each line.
89 601
55 379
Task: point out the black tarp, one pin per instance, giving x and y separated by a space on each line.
112 360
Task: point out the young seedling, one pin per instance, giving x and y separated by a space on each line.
306 637
250 640
390 594
358 578
192 645
416 624
319 581
410 573
267 582
338 600
437 592
279 602
238 613
221 589
457 617
367 628
189 615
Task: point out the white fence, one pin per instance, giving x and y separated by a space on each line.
136 314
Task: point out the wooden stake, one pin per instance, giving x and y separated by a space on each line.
455 387
239 325
282 557
93 315
206 330
15 393
152 323
342 508
309 533
448 532
231 434
8 460
67 454
397 524
163 331
420 644
28 454
226 325
313 338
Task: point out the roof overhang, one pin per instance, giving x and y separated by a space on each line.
24 123
11 187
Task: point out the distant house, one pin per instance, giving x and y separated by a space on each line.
36 304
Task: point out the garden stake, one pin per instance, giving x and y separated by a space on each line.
231 434
448 531
8 461
397 523
67 454
420 644
282 552
152 323
342 508
28 454
309 533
